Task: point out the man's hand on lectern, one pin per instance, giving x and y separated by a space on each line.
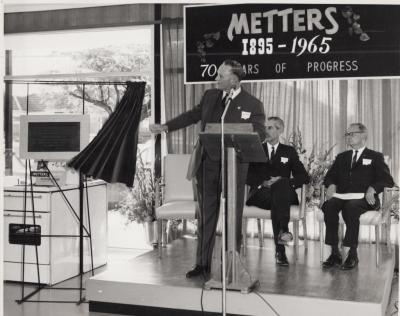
158 128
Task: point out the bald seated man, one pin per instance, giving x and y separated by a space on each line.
358 170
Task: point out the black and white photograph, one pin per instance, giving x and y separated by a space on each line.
181 158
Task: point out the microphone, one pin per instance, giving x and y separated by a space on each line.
230 95
227 103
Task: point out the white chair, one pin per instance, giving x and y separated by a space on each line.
378 219
177 199
297 214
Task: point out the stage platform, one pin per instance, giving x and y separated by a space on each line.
149 286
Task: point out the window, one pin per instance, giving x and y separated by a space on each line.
86 63
108 54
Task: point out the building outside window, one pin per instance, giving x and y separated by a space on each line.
76 59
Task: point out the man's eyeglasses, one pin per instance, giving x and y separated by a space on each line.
351 134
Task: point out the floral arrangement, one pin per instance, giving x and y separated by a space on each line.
395 204
206 42
317 164
138 203
353 21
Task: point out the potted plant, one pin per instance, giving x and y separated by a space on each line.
138 203
394 213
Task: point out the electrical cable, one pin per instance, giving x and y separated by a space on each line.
255 292
266 302
201 297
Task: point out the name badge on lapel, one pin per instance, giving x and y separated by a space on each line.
366 162
284 160
245 115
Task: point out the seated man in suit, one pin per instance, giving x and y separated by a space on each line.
272 187
359 170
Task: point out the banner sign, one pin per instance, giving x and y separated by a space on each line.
292 41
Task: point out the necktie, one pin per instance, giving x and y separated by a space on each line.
272 155
224 100
354 160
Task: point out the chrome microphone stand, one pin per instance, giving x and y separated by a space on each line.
231 273
223 203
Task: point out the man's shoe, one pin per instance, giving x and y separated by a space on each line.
333 260
198 270
284 238
281 259
350 262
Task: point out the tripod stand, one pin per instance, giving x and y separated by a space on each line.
32 235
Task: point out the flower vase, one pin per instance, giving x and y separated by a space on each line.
150 229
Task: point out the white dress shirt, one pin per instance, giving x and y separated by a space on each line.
359 152
270 149
234 94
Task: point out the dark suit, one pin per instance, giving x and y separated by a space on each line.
281 194
210 110
370 170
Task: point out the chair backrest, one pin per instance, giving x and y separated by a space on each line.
177 187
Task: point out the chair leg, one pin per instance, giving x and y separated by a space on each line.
383 231
321 242
168 232
377 242
388 242
244 236
369 235
262 229
305 232
296 239
260 233
341 235
159 237
164 233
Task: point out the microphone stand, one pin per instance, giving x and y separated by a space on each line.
223 203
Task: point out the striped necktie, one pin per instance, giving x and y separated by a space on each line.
272 154
354 160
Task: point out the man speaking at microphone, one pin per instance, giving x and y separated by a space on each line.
242 108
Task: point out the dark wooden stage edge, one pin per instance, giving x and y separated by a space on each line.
125 309
149 286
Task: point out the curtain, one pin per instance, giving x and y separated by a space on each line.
394 132
111 155
321 110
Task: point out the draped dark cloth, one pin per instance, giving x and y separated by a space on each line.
111 155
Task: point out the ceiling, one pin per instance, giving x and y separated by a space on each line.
41 5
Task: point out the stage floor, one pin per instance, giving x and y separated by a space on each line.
147 285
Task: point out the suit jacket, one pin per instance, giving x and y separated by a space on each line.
244 102
204 112
285 164
369 170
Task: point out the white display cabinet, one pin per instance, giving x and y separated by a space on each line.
58 256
